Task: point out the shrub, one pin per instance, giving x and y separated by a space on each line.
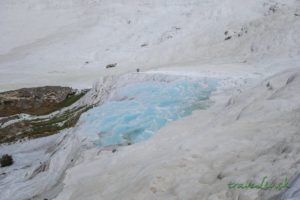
6 160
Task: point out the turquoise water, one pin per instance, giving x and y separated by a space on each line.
136 111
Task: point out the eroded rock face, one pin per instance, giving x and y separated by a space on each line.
35 101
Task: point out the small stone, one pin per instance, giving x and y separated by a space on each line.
111 65
268 85
220 176
153 189
228 38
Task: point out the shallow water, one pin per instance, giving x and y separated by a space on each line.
136 111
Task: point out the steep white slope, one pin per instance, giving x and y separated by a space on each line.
71 42
39 166
246 137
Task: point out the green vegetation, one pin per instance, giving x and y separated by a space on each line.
37 101
47 109
35 128
70 100
6 160
41 127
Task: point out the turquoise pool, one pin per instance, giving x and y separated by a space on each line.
136 111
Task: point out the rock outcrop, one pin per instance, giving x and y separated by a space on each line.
34 101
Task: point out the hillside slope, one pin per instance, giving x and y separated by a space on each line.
246 137
70 42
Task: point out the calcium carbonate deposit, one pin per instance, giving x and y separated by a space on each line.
183 99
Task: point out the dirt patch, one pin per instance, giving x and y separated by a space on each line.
36 101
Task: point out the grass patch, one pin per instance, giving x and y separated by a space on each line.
41 127
70 100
